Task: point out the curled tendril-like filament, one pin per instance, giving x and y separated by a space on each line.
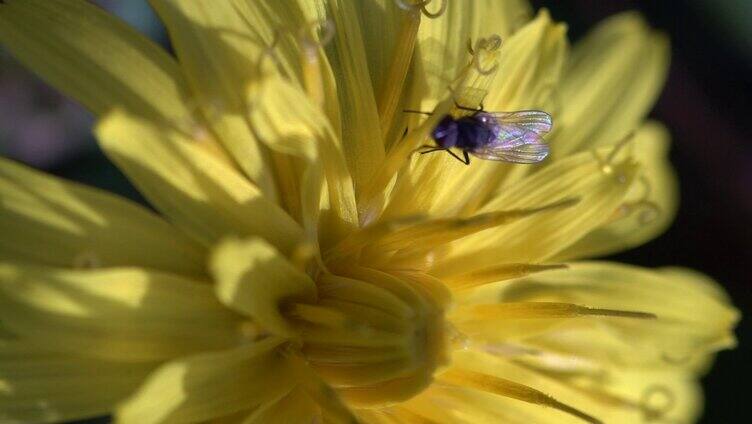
649 213
326 35
422 5
487 44
308 43
656 401
648 210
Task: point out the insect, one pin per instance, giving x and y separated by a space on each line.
515 137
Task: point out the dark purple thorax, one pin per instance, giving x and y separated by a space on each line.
466 133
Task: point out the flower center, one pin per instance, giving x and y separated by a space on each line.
375 337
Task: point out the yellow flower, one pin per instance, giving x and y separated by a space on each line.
307 266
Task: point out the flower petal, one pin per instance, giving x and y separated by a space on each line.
94 58
254 279
599 188
290 123
626 398
116 314
218 51
44 387
389 35
295 34
664 393
612 81
48 220
678 336
531 62
210 385
201 195
649 207
296 407
361 133
380 22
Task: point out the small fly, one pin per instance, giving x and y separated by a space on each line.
515 137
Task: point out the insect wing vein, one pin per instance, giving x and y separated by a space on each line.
515 145
536 121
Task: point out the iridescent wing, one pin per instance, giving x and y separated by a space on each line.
518 137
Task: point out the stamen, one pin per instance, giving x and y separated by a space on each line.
537 310
510 389
495 274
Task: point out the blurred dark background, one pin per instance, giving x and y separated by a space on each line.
706 104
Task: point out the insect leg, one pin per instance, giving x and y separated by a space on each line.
417 111
433 149
466 161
